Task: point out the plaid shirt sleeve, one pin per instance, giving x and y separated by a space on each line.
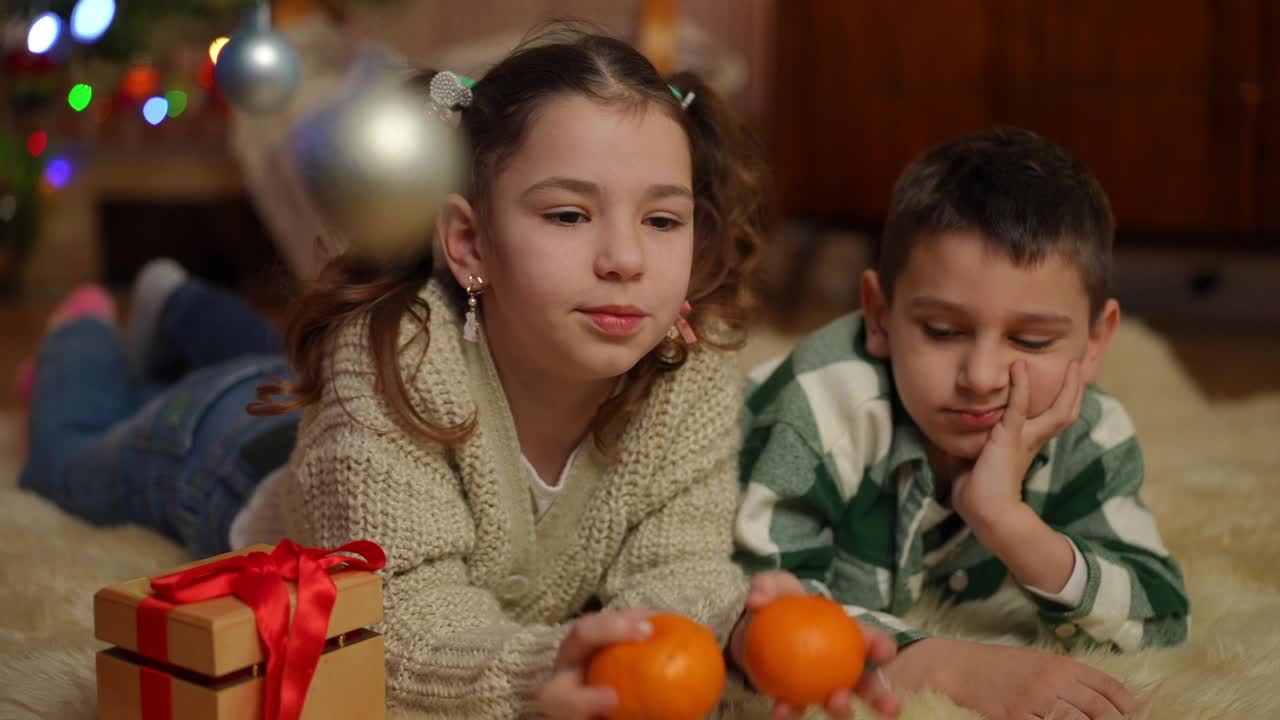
1135 596
791 501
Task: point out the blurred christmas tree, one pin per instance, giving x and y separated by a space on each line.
83 76
19 212
129 33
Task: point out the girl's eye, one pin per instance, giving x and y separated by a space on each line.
566 217
939 333
663 223
1028 344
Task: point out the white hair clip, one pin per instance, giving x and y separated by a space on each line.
450 91
684 98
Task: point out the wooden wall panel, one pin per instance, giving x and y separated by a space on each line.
1265 96
1162 98
858 95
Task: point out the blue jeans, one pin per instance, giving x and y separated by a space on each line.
112 450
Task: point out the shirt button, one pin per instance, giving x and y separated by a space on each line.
1065 630
513 587
958 581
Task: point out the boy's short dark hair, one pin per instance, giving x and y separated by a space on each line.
1025 195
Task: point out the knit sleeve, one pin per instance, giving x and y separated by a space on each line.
677 556
450 649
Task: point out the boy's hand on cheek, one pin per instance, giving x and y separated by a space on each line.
992 489
989 497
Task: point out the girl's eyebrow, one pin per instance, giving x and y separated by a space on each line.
663 191
586 187
582 187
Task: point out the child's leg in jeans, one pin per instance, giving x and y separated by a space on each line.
85 301
206 325
190 450
82 392
175 465
184 323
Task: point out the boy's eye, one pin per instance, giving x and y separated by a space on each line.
939 333
663 223
566 217
1030 344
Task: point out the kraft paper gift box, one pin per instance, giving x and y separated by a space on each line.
188 647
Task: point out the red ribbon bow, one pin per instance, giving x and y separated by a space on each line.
259 580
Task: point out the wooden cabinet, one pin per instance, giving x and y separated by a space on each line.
1267 97
1173 103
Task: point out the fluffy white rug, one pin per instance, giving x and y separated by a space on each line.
1213 482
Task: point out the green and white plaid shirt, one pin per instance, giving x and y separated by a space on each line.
837 489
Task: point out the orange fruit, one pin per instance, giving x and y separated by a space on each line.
677 673
802 648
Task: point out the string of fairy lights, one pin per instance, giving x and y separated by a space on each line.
261 72
373 157
51 37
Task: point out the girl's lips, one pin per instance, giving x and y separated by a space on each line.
614 319
978 419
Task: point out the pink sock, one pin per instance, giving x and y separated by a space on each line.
85 301
24 382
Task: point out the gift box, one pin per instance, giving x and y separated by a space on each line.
260 633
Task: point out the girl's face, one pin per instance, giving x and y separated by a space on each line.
587 244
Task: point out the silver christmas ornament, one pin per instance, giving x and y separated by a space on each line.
258 70
379 163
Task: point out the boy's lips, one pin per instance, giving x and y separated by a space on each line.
977 418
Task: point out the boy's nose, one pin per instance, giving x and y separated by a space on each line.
983 371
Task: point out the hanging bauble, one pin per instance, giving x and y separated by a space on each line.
258 70
378 163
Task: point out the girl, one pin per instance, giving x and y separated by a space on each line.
524 428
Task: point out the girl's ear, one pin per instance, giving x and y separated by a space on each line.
875 309
1104 327
460 239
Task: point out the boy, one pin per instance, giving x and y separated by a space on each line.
948 435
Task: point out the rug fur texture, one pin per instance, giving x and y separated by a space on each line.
1213 481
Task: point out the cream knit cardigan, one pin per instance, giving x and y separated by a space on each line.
477 594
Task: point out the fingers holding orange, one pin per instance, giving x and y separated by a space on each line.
801 649
677 673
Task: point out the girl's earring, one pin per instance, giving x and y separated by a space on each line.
470 329
682 327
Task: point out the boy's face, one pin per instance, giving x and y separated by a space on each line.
960 315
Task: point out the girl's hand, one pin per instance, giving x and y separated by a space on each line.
566 696
881 648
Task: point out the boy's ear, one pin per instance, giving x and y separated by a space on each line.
1104 327
460 238
875 308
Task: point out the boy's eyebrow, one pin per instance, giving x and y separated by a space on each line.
586 187
1034 318
926 302
1031 318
